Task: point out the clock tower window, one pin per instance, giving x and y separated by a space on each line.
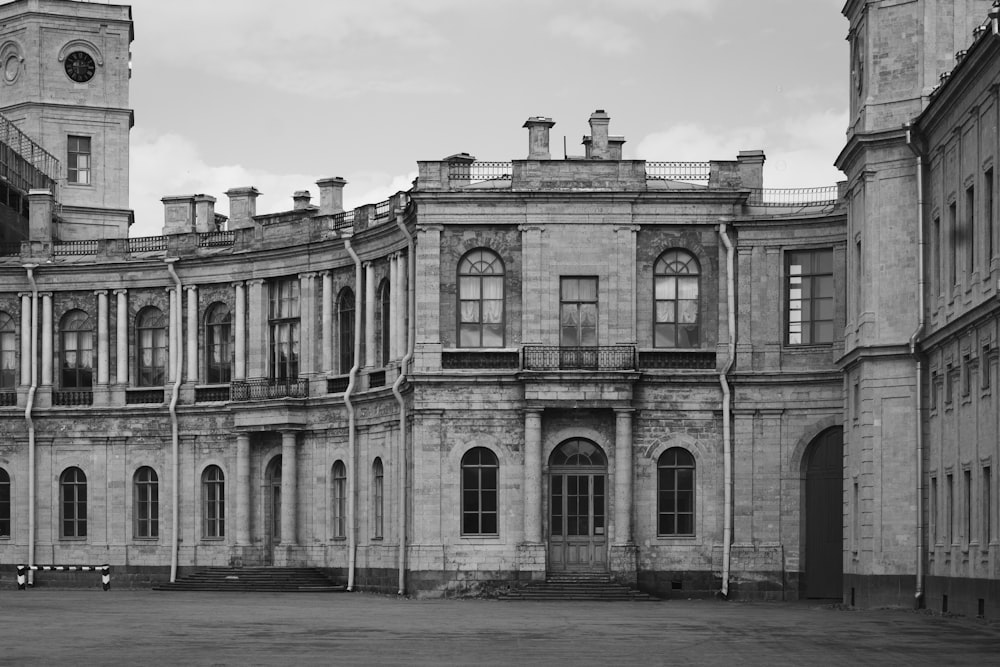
78 160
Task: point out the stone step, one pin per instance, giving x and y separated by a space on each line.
595 586
264 579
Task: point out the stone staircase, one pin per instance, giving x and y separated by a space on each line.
593 586
257 579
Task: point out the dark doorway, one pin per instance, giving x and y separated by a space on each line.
272 510
824 516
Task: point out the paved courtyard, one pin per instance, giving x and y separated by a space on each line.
91 627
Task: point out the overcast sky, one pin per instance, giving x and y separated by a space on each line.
230 93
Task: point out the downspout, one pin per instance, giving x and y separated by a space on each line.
915 351
410 293
727 436
27 417
177 342
352 538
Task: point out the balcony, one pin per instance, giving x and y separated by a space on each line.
72 397
211 393
263 389
595 358
480 360
8 398
144 396
676 359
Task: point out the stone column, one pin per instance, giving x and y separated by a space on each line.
242 489
623 476
402 304
46 339
327 311
428 311
369 315
240 322
121 337
533 476
393 306
103 342
172 346
289 496
192 333
26 360
307 323
257 329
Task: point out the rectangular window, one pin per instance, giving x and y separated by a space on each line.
968 506
970 230
987 510
4 503
78 160
952 245
577 312
936 258
856 401
284 328
8 353
932 514
949 508
809 297
859 279
988 217
856 519
966 374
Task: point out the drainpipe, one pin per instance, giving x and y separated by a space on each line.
352 538
411 294
727 436
915 352
177 342
27 417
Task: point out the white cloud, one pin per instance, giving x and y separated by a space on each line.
594 32
691 142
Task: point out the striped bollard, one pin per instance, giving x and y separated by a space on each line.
22 578
106 577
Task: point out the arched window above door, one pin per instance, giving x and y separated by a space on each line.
578 452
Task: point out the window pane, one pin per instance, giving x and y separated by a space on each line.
666 288
492 335
588 289
469 288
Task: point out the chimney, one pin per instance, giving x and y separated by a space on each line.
204 214
40 206
301 198
178 214
331 195
751 166
538 137
242 207
598 148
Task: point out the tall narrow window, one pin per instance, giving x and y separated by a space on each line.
151 347
345 324
213 489
146 510
675 486
4 503
933 512
988 218
949 508
809 296
970 230
952 245
987 510
577 312
8 353
284 329
858 280
73 506
675 278
78 160
339 495
856 519
936 258
384 320
967 510
218 355
480 300
77 349
479 492
378 498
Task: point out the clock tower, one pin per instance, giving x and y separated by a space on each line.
64 81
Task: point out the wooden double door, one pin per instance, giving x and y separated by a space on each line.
578 507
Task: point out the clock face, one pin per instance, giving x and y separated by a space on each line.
80 66
11 68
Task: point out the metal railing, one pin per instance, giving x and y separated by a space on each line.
10 248
597 358
376 379
479 360
143 396
211 394
75 248
824 196
71 397
8 399
337 385
343 220
146 244
676 359
263 389
23 163
382 209
216 239
679 171
480 171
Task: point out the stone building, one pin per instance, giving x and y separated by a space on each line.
663 371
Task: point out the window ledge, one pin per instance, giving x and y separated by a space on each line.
213 539
72 539
486 538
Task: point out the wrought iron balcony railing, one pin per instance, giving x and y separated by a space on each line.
679 171
337 385
596 358
143 396
211 394
262 389
676 359
70 397
479 360
8 398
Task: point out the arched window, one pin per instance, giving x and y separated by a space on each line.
146 505
378 498
675 489
213 489
151 347
8 353
480 300
677 323
218 357
284 325
4 503
384 320
339 494
73 505
345 323
479 492
77 348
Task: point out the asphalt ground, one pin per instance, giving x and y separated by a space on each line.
92 627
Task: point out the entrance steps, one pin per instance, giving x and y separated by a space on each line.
255 579
593 586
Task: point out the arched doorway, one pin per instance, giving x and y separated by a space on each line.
578 471
824 516
272 507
